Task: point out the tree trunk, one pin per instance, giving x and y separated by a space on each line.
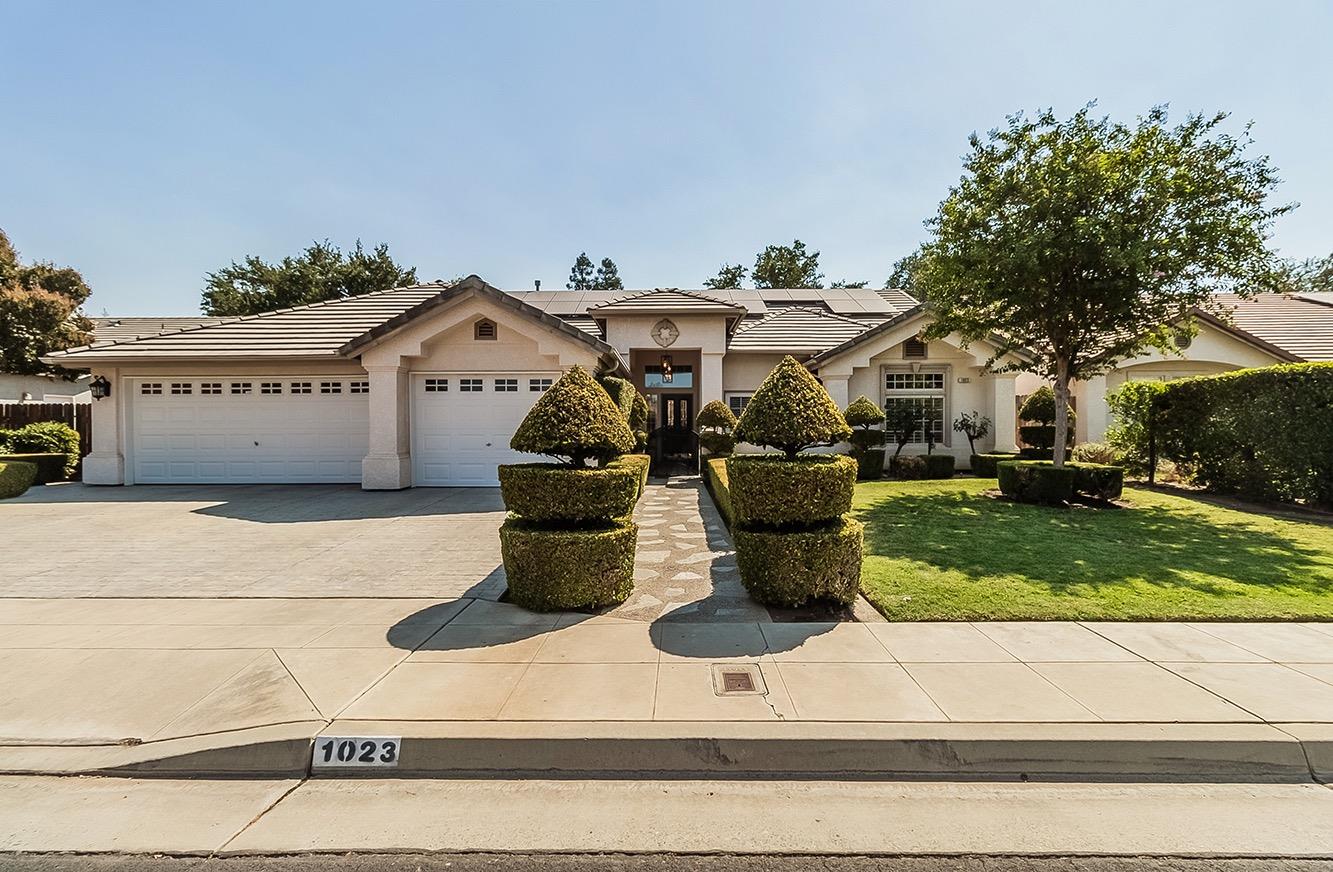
1061 413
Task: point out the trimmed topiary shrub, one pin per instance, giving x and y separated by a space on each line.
1096 452
1098 481
983 465
716 415
638 422
547 492
552 569
1262 433
638 463
575 420
621 393
15 478
47 437
792 568
939 465
1039 408
1036 481
50 467
862 415
715 479
869 463
908 467
771 491
791 411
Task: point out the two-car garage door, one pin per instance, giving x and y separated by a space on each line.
462 423
267 429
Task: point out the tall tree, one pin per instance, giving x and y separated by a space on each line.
1311 275
608 277
39 312
729 276
903 277
843 283
1084 242
581 275
321 272
787 266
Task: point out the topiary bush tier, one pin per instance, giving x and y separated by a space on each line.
550 492
638 463
575 420
716 443
772 491
50 467
1099 481
1036 481
552 570
792 568
983 465
715 479
15 478
908 467
791 411
869 463
939 465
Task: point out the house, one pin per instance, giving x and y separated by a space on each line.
424 385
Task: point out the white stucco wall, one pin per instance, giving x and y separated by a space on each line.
43 389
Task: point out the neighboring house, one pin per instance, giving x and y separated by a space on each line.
52 388
424 385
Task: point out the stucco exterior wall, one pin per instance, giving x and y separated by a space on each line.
742 373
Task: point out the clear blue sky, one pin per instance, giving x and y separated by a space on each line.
149 143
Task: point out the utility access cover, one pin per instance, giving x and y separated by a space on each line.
737 680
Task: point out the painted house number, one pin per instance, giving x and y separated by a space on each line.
361 751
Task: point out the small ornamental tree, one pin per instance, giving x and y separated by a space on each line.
903 420
974 426
791 411
716 425
574 421
862 415
1072 245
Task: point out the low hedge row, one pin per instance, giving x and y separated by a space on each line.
715 479
788 568
15 478
911 467
983 465
1262 433
560 494
50 467
770 491
1039 481
869 463
551 569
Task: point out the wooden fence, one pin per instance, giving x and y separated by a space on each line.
77 415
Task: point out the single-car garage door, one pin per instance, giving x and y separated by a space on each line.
266 429
462 423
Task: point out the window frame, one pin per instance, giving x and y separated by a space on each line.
728 396
944 393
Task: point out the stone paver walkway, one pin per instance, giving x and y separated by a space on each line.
685 565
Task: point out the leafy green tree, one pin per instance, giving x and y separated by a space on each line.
581 275
1313 274
903 277
974 426
791 411
787 266
322 272
39 312
608 277
1082 242
843 283
729 276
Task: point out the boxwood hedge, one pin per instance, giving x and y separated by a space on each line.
715 479
792 568
983 465
1262 433
549 492
771 491
639 463
1036 481
549 570
15 478
50 467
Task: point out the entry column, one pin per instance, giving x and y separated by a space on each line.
1005 413
388 463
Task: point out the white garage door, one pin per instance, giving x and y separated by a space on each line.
273 429
462 423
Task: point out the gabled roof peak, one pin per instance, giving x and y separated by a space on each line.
666 299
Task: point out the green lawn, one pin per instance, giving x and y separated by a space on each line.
942 550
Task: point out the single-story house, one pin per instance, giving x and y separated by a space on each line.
424 385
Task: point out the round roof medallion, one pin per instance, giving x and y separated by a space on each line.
665 332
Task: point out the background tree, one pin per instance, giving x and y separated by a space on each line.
608 277
1085 242
1311 275
903 277
843 283
787 266
321 272
729 276
39 312
581 276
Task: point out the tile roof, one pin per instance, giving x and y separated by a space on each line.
1301 325
665 300
796 329
119 329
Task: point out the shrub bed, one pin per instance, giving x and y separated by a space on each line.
772 491
939 465
549 492
50 467
1036 481
715 479
552 569
1100 481
15 478
790 568
869 463
639 463
983 465
908 467
44 437
1262 433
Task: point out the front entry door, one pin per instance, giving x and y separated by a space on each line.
678 438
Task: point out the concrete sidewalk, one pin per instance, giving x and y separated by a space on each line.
243 686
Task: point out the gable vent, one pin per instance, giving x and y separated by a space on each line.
914 348
483 329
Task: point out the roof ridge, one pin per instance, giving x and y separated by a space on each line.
634 295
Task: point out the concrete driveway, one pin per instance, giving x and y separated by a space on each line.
251 541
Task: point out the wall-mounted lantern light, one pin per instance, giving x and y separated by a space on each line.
100 387
666 369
